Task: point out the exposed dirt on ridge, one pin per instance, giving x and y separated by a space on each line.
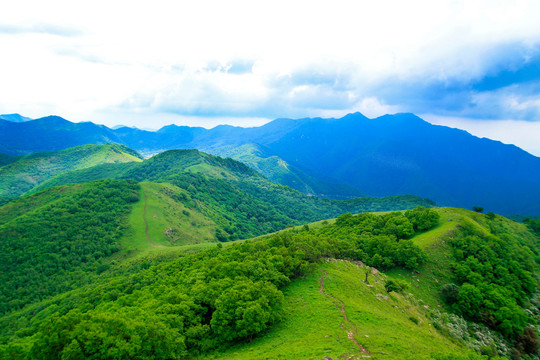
350 334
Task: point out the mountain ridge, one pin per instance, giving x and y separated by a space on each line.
15 118
28 172
388 155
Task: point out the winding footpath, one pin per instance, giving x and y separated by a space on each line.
350 334
146 226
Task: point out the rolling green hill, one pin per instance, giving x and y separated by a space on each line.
186 198
150 260
30 171
342 289
242 202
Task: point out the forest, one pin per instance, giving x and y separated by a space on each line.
196 303
73 286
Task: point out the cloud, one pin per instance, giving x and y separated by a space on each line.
503 83
40 28
479 60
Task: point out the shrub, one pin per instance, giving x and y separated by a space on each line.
395 285
449 293
528 342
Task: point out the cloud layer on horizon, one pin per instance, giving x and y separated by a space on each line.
478 60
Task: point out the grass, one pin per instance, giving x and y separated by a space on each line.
426 283
170 224
390 326
212 171
28 172
435 273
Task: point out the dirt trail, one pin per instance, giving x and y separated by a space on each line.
350 334
146 226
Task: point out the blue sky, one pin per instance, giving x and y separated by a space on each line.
469 64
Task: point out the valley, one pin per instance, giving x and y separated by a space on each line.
105 254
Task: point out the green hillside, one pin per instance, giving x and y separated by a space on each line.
370 285
6 159
150 260
243 202
29 171
52 244
386 326
167 221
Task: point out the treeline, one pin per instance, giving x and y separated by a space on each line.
56 247
197 303
533 224
493 281
382 240
238 214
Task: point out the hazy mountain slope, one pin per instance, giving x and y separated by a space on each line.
14 118
6 159
393 154
31 170
401 153
277 170
50 133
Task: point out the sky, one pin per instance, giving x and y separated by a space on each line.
469 64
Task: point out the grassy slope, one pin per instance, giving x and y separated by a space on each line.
168 224
436 271
271 167
31 170
314 325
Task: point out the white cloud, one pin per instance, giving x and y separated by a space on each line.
370 107
178 60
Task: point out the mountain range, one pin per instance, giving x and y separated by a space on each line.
14 118
188 255
336 158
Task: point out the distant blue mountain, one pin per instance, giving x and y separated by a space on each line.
15 118
50 133
403 154
389 155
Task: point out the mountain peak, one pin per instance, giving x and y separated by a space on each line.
354 116
52 118
14 118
